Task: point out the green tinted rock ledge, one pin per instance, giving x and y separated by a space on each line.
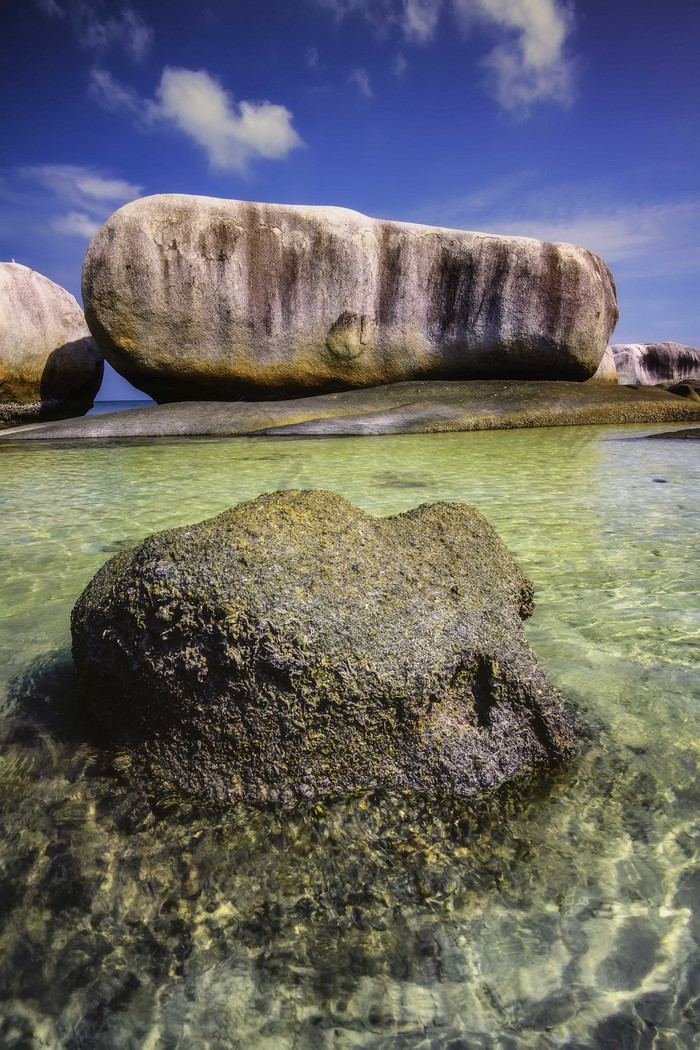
398 408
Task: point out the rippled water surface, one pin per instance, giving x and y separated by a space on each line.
565 915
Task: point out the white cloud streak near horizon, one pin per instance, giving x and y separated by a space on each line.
529 65
232 134
97 31
645 236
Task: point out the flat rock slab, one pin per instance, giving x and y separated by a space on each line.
398 408
296 646
693 434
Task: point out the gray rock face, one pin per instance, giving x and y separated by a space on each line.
652 364
198 298
49 363
296 646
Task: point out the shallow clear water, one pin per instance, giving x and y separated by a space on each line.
564 916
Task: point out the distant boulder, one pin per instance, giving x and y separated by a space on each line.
656 364
50 366
197 298
296 646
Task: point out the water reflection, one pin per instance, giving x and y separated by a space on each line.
559 914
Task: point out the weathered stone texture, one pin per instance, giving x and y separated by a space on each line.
49 363
293 645
652 364
194 297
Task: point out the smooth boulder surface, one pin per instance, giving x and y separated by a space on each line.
656 363
399 408
296 646
606 372
49 363
195 298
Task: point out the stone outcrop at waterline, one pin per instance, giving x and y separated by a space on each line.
399 408
195 298
295 646
656 363
49 364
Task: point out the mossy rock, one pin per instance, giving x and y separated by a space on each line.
296 646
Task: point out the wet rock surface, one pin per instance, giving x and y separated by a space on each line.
295 646
691 434
399 408
50 366
219 300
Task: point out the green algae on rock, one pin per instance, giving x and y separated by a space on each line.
397 408
296 646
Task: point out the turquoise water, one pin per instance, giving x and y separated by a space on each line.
565 917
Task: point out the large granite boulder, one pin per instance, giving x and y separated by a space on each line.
656 364
50 366
293 645
196 298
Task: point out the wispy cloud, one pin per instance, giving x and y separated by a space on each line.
75 224
644 236
85 187
109 93
399 66
97 30
232 134
360 79
530 62
418 18
42 189
311 57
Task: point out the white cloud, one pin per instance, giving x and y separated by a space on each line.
360 79
93 195
399 66
50 7
232 134
110 94
75 224
529 65
98 31
615 233
84 187
312 57
419 18
643 237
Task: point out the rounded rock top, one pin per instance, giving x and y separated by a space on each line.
297 646
49 362
201 298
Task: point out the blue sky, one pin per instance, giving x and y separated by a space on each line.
562 120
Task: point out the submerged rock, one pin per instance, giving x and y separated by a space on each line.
652 364
198 298
49 363
294 645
